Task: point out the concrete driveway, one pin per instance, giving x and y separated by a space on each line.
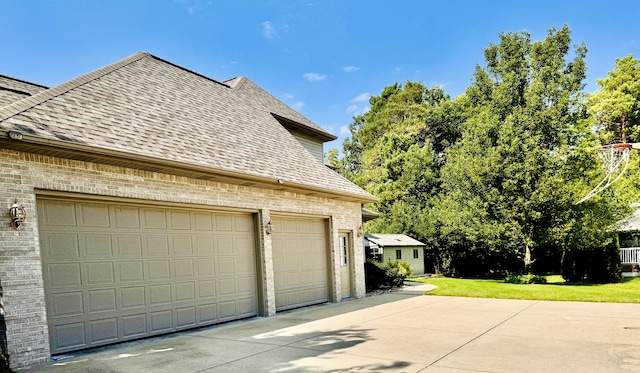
397 332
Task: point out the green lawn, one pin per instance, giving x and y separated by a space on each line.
626 291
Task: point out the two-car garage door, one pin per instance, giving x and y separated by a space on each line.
115 271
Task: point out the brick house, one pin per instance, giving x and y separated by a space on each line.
159 200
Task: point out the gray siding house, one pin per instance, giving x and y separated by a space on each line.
383 247
155 200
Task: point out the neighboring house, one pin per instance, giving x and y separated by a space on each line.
629 237
383 247
158 200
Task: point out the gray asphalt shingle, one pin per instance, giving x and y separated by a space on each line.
146 106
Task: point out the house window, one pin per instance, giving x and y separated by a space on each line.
343 251
398 254
415 253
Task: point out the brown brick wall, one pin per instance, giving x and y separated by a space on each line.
23 175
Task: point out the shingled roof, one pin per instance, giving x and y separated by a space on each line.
12 90
392 240
148 113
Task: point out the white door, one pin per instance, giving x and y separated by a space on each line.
345 265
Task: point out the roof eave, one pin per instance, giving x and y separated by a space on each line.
87 153
290 124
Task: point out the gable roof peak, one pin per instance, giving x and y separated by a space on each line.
237 82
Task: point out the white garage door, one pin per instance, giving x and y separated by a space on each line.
299 262
117 271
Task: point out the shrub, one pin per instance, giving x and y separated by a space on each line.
599 263
525 279
385 275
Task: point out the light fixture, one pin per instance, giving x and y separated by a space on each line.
15 135
18 215
269 227
360 231
280 181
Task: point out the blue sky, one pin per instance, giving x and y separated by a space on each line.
323 58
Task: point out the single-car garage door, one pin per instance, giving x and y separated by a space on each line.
299 262
116 271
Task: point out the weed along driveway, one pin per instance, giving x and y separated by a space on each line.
396 332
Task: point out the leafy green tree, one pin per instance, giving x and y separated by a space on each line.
396 150
506 186
616 106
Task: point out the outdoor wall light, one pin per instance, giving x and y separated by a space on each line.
360 231
18 215
269 229
15 135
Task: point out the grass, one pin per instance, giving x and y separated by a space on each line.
625 291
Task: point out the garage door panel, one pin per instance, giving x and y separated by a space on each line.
225 265
224 246
203 221
100 273
185 291
158 269
103 300
126 217
207 289
243 224
224 223
161 321
68 304
120 272
300 262
62 245
204 246
154 219
103 331
134 326
97 245
159 295
94 215
64 274
227 310
208 312
206 268
246 306
304 226
133 297
244 264
244 246
186 317
59 213
131 271
180 220
129 246
246 285
70 336
288 226
182 245
183 268
157 245
226 286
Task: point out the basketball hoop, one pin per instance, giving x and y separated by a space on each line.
613 156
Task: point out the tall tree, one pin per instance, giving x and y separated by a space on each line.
395 152
616 106
506 186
